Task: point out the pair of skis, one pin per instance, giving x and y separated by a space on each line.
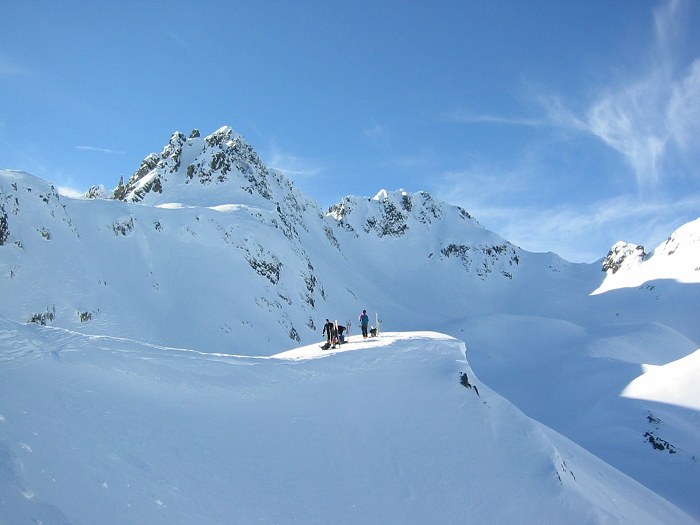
334 340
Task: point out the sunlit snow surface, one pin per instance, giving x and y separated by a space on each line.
675 383
108 430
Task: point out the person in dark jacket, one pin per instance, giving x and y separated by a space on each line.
328 330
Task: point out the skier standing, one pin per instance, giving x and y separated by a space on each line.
364 321
328 331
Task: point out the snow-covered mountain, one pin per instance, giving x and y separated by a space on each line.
147 292
675 259
212 242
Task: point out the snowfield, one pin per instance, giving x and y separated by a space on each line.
112 431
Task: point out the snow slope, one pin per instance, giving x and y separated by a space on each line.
107 430
674 383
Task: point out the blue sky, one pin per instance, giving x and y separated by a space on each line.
564 126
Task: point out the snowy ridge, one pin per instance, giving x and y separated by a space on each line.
149 434
397 213
437 229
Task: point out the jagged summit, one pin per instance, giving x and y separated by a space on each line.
393 213
221 168
623 255
628 265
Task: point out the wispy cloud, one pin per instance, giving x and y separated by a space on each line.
70 192
291 165
683 114
601 223
461 116
649 117
579 232
100 150
652 119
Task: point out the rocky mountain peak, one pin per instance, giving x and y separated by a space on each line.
395 213
221 160
623 254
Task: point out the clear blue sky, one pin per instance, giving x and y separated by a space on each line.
562 125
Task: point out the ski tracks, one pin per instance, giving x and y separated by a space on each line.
16 347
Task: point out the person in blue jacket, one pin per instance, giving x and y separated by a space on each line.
364 322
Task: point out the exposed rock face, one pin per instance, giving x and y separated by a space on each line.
4 227
399 214
220 158
153 171
623 253
97 192
388 213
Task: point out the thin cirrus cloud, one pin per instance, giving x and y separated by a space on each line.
653 118
464 117
291 165
644 120
684 109
561 228
100 150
